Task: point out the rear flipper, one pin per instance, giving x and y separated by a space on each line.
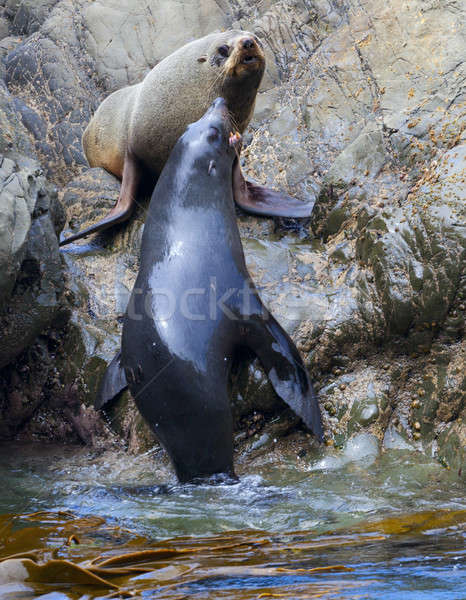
112 384
259 200
125 204
286 370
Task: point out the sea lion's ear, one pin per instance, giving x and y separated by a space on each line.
202 59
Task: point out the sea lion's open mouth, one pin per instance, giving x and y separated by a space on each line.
246 58
235 139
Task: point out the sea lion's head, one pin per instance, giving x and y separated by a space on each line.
234 63
211 140
237 54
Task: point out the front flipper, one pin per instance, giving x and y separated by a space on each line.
285 369
125 203
113 382
259 200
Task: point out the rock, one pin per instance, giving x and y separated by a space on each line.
358 400
28 15
31 287
263 441
13 136
55 100
31 280
267 103
89 196
31 120
6 45
31 270
372 287
15 221
392 440
364 410
362 447
416 254
126 44
4 27
363 157
127 423
452 442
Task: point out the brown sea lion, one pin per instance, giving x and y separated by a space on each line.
134 130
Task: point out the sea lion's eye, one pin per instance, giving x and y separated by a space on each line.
213 134
223 50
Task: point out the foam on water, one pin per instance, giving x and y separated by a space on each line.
332 489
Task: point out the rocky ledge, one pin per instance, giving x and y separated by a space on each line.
361 111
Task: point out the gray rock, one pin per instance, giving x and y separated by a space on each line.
393 440
31 270
13 135
28 15
31 120
7 44
16 206
126 42
372 289
364 156
362 447
4 27
48 78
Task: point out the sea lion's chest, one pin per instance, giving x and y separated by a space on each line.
196 249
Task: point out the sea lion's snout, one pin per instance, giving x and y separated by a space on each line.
246 57
251 56
213 127
218 115
219 103
249 51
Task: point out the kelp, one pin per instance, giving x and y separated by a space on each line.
58 551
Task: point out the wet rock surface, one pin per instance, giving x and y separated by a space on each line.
31 288
372 288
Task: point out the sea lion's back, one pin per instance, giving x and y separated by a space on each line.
105 138
173 94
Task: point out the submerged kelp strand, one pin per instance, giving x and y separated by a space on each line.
253 563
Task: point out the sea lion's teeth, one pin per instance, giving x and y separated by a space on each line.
234 138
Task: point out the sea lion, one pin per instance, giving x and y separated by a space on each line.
135 128
194 310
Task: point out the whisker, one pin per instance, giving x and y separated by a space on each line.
233 122
214 84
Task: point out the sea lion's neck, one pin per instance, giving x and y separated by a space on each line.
190 180
241 97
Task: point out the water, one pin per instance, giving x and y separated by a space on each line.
328 526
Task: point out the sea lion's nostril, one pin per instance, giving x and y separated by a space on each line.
248 44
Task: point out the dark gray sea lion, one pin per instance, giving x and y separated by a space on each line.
194 308
134 130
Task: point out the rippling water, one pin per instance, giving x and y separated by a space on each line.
396 520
